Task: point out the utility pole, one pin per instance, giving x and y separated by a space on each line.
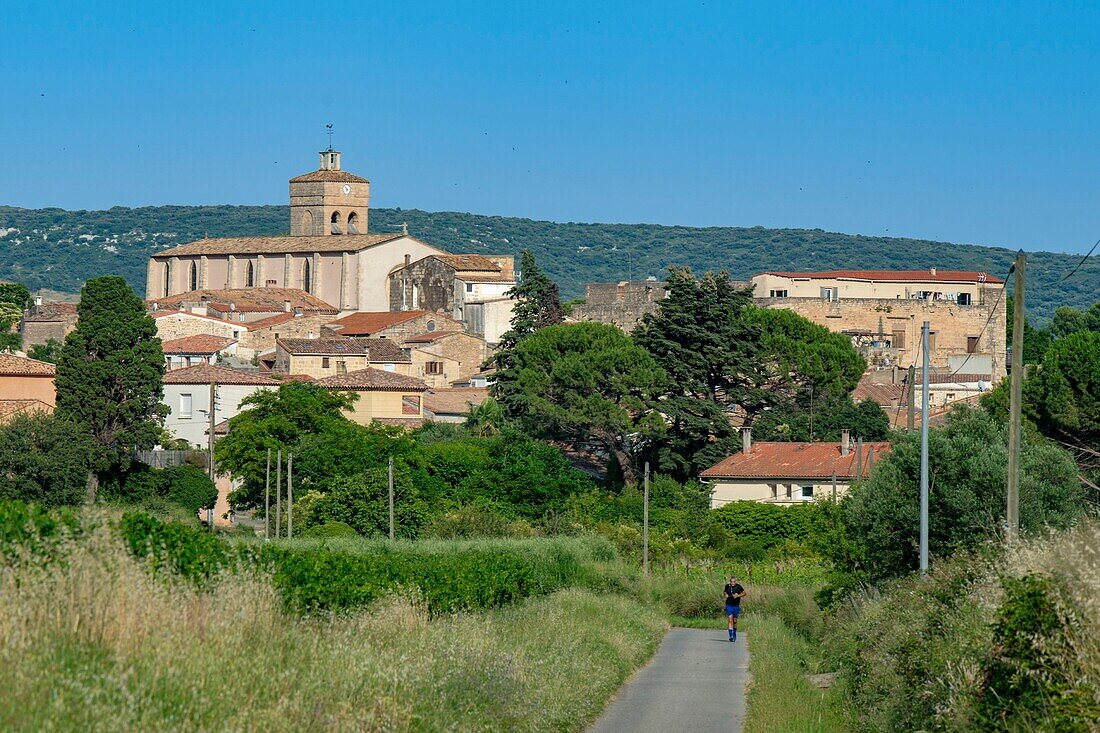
811 413
924 452
391 497
210 461
1016 399
645 519
834 486
267 497
278 491
912 390
290 496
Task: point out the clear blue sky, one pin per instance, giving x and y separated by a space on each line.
968 122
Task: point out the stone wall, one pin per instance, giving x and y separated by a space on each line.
427 284
899 323
620 304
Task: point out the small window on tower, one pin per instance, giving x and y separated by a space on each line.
336 223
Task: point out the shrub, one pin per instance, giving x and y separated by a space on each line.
43 459
766 524
331 529
33 528
190 487
476 520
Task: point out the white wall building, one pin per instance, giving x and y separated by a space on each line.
187 394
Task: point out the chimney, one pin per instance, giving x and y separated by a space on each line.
312 335
232 306
746 440
933 271
408 259
845 442
38 300
286 306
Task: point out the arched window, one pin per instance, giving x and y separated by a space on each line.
307 221
353 223
249 275
194 277
167 278
306 277
336 223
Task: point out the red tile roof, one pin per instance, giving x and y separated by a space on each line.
795 461
454 401
374 379
269 322
370 322
248 300
325 175
277 245
968 276
329 346
52 311
427 338
201 343
20 366
209 373
468 263
189 314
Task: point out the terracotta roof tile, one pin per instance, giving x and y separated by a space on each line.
384 350
794 460
969 276
19 366
374 379
427 338
468 262
209 373
48 312
278 245
328 346
323 175
272 321
200 343
188 314
368 323
454 401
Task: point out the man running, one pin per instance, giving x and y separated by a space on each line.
733 592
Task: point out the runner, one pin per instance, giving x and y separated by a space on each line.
733 592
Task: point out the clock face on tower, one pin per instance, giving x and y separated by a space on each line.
347 189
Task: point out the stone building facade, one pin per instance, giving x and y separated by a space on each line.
396 326
441 358
326 357
46 321
621 304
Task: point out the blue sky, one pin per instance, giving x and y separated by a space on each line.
968 122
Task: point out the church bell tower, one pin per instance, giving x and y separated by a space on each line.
329 201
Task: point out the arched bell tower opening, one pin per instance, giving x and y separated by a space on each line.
329 201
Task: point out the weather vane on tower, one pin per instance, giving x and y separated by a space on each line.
328 129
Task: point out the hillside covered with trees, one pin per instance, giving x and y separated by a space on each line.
59 249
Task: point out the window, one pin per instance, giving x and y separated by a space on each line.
469 287
971 344
306 277
899 339
336 223
808 491
828 293
410 405
194 277
167 279
415 296
430 326
433 367
353 223
324 362
236 334
185 406
341 367
779 293
249 275
931 341
387 367
963 299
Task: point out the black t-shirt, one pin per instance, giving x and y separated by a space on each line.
731 591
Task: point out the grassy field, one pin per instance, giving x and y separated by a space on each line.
96 642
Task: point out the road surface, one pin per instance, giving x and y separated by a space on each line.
695 682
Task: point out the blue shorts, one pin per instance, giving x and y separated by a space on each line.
733 611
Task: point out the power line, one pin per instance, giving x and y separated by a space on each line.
916 358
1082 262
1000 296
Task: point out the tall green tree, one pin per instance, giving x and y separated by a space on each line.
44 459
538 305
792 421
1062 395
13 299
109 376
1036 340
711 353
48 352
587 384
1067 321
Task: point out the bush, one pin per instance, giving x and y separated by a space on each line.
43 459
190 487
331 529
766 524
33 528
476 520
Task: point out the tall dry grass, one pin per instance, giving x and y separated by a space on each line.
95 642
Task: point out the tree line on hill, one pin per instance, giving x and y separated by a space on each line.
59 249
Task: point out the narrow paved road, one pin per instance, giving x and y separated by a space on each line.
695 682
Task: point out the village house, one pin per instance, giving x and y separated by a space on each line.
385 397
790 473
443 357
468 288
393 325
187 395
46 321
621 304
452 405
333 355
201 348
26 386
882 311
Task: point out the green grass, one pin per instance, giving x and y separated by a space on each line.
780 698
98 642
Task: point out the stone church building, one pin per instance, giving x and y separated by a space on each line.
328 254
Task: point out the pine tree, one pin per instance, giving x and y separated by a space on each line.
109 375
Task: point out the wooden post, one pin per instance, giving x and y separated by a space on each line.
278 491
290 496
267 497
392 533
1016 399
213 411
924 452
645 520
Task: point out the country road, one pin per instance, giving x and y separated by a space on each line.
695 682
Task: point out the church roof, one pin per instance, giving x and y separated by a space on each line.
278 245
328 176
468 262
248 300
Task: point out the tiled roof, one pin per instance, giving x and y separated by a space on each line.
11 408
20 366
294 377
200 343
328 176
483 277
384 350
278 245
374 379
209 373
248 300
884 394
188 314
472 263
272 321
949 378
371 322
48 312
330 346
427 338
919 276
454 401
795 461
